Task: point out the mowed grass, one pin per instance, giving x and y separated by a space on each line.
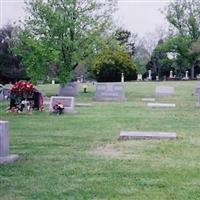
78 156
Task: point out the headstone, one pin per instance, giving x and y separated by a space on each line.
157 78
139 135
148 99
139 77
165 91
4 144
197 89
4 93
149 77
69 90
82 79
186 75
161 105
171 74
53 82
122 78
1 95
110 92
68 103
197 93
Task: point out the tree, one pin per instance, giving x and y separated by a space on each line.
110 63
184 17
10 67
179 45
126 39
141 58
62 32
159 64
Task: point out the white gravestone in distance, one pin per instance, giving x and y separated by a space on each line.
68 103
122 78
4 144
149 77
171 74
157 78
139 77
164 91
69 90
186 75
110 92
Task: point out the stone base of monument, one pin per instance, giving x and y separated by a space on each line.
161 105
148 99
8 159
139 135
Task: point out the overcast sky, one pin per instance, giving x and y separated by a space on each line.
138 16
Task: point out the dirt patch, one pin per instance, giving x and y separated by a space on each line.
106 151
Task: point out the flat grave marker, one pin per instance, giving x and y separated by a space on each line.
143 135
83 105
161 105
148 99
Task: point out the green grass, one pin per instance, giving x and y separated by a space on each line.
78 156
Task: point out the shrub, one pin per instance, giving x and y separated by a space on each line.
109 65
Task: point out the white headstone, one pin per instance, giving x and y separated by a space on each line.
82 79
122 78
157 78
171 74
149 77
53 82
186 75
139 77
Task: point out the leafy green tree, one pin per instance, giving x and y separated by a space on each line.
184 17
62 32
159 64
179 45
110 63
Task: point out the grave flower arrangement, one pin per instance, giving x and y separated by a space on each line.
22 92
58 107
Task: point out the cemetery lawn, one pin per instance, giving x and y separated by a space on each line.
78 156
